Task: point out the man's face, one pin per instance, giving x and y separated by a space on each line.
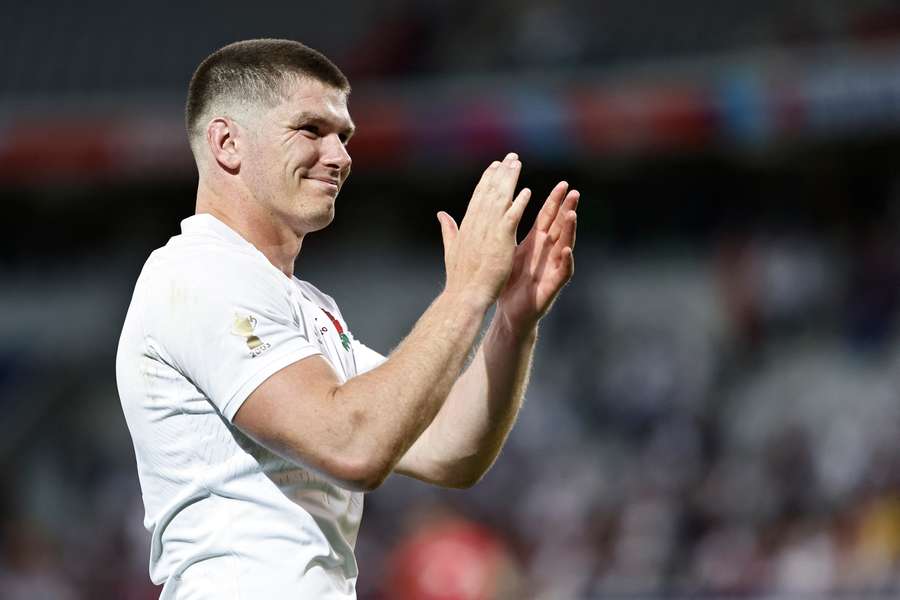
296 160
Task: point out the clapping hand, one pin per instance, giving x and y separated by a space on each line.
543 262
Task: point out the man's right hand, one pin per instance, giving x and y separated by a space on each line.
479 253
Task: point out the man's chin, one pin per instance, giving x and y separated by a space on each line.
321 220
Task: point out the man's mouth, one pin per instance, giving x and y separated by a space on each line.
327 182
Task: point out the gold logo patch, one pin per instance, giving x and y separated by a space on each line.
244 327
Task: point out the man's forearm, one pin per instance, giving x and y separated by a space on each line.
395 402
473 424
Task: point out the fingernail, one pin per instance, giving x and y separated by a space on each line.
512 156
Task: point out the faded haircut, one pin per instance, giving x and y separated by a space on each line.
253 72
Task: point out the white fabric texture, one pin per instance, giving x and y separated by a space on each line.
210 319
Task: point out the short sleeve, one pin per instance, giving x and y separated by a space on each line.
227 323
366 358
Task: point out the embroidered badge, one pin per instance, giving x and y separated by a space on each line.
243 326
345 339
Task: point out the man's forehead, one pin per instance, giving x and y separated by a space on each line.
310 98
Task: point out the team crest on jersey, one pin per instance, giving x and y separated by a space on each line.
244 327
345 339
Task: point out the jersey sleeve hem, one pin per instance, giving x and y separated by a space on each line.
269 368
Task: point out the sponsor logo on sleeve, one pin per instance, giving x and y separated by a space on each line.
244 326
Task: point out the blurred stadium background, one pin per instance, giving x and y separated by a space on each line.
714 409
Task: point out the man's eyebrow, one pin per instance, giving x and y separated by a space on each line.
313 117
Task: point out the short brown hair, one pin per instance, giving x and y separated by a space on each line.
255 71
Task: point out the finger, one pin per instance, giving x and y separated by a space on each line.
517 209
449 230
562 271
488 179
507 178
567 235
568 263
501 178
571 202
550 209
485 182
568 205
498 172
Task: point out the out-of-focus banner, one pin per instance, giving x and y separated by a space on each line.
744 101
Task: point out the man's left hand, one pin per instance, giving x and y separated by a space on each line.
543 262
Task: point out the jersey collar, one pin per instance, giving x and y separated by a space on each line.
205 223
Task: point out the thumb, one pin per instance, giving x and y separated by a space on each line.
448 231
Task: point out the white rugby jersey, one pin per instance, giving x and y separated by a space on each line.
210 319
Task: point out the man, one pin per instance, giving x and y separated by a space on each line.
258 419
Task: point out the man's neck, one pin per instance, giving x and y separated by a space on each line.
275 240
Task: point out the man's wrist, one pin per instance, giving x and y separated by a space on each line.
469 298
514 330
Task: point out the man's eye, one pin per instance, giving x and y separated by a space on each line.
310 129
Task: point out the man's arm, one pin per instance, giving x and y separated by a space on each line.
354 433
467 434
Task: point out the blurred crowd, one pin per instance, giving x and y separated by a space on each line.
62 49
412 38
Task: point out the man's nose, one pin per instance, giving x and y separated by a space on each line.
335 153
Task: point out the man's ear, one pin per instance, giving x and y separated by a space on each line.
221 137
